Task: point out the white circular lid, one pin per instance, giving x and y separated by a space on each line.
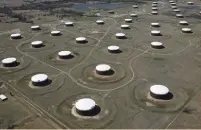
128 19
190 2
156 43
159 89
154 12
55 32
120 34
125 26
179 15
155 2
15 35
85 104
155 24
135 6
39 78
186 29
64 53
111 11
99 21
174 7
113 48
9 60
155 32
36 43
183 22
35 26
176 10
133 15
103 67
68 23
80 39
173 3
154 5
154 8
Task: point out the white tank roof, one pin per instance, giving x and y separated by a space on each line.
36 43
113 48
39 78
186 29
80 39
155 32
159 89
15 35
154 5
120 34
128 20
176 10
35 27
155 2
154 12
111 11
125 26
183 22
154 8
68 23
179 15
133 15
103 67
156 43
155 24
55 32
190 2
173 3
174 7
99 21
85 104
64 53
9 60
135 6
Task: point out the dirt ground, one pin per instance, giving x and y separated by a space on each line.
122 97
